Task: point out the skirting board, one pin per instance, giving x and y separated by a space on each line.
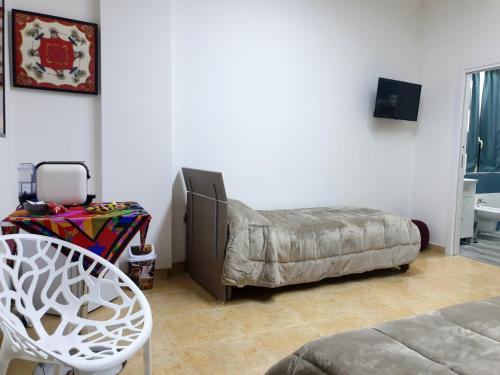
435 247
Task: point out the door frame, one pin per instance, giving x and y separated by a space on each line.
460 155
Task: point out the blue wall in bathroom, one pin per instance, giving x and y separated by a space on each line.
489 182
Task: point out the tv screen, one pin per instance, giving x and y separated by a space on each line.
397 100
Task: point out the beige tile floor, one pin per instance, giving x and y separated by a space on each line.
194 334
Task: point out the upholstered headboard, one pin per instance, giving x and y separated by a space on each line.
206 229
206 183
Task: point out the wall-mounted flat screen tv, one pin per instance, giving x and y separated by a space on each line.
397 100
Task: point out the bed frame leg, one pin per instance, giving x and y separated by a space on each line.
227 293
404 267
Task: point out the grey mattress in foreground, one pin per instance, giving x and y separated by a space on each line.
463 339
282 247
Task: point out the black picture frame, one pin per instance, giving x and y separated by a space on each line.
3 125
15 55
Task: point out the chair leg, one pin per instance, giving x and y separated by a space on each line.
4 365
5 357
147 358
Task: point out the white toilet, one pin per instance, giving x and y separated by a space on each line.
487 218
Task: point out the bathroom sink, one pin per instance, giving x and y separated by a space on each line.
482 208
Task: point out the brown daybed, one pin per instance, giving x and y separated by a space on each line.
229 244
463 339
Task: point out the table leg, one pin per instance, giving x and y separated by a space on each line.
80 289
143 233
84 309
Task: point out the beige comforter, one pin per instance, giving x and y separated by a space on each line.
282 247
462 339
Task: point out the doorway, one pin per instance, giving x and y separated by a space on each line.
477 222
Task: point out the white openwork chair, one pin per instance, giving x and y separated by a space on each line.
104 340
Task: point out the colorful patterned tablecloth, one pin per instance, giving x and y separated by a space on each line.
106 234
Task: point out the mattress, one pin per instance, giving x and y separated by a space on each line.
463 339
283 247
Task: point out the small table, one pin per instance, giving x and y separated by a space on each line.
106 234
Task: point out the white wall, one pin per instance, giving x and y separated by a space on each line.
136 117
279 96
136 114
456 34
43 125
276 94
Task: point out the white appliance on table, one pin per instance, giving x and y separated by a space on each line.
64 183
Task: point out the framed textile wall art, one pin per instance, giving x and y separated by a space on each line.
54 53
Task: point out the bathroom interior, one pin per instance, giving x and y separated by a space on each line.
480 213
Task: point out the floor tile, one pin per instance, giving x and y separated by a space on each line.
195 334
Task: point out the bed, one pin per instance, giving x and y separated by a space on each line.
228 244
462 339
